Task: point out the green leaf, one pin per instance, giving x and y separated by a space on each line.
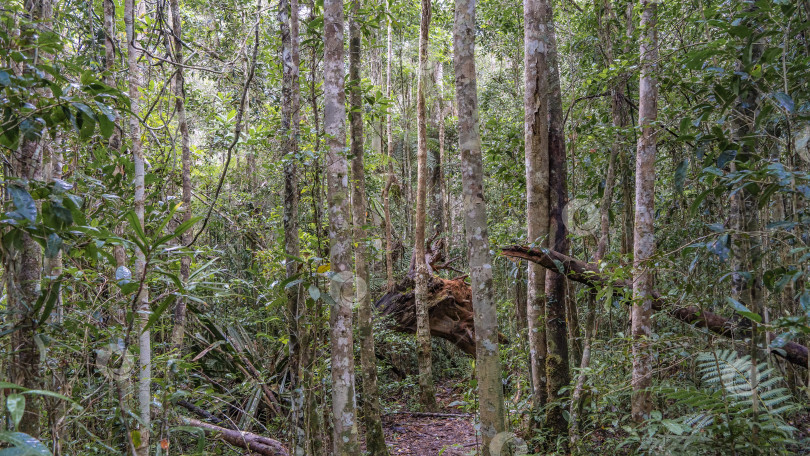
50 299
29 445
52 246
742 310
158 312
136 226
673 427
26 207
680 175
314 292
15 404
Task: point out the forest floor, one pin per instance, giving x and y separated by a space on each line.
417 434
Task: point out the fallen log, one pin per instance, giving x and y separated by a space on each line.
585 273
449 310
258 444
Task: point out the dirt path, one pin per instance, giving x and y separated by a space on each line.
424 435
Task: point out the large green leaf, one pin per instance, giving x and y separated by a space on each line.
23 202
24 445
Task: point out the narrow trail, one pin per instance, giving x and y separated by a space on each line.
417 434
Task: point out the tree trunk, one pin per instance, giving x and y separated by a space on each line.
537 191
557 369
23 261
179 329
131 9
375 439
341 283
426 388
389 178
290 107
488 364
441 166
644 237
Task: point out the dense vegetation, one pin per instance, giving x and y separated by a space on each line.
232 227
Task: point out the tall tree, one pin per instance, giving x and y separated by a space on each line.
179 329
133 10
375 439
557 368
537 192
426 388
290 125
337 178
488 364
644 238
23 260
389 178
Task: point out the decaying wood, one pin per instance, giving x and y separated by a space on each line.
450 302
450 310
582 272
258 444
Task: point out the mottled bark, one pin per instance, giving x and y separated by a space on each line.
375 439
341 283
439 171
179 329
389 178
644 235
132 11
488 365
426 388
537 191
114 144
290 107
557 369
22 261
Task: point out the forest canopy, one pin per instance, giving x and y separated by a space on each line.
346 227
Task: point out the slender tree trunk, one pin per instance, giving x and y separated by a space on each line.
341 283
537 191
290 107
426 388
178 332
557 369
442 170
644 238
375 439
618 113
746 255
436 173
23 261
389 178
133 9
119 252
488 365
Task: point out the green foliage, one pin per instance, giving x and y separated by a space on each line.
740 409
